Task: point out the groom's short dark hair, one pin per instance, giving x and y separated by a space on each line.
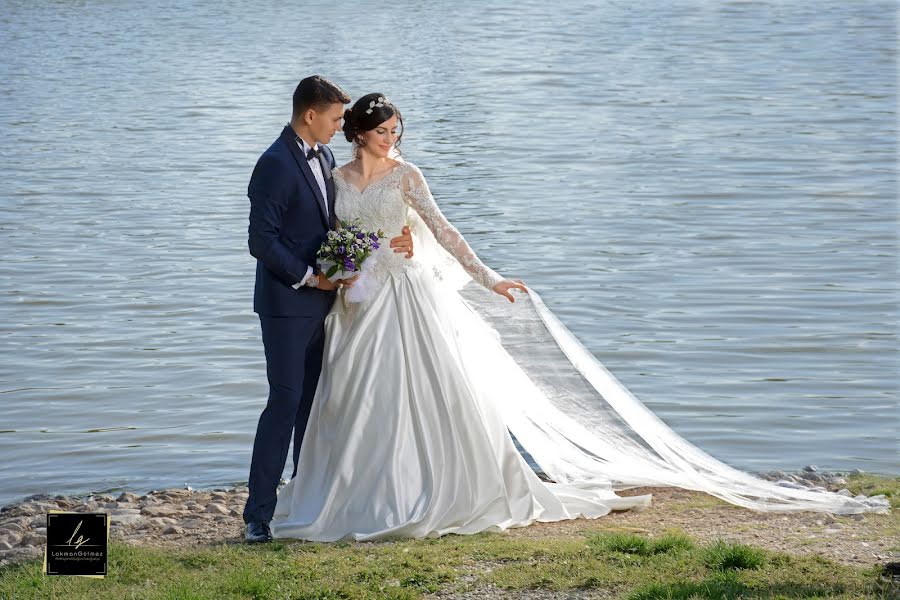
315 92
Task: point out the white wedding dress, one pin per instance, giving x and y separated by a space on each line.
425 377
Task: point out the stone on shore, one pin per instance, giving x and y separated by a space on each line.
217 509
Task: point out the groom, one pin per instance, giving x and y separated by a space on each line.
291 210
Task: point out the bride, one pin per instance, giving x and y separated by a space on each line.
426 380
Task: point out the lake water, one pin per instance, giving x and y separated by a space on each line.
704 192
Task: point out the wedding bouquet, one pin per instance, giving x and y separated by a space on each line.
346 248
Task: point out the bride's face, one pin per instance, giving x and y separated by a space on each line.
380 140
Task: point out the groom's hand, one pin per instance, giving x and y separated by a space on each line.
329 286
403 243
348 282
325 284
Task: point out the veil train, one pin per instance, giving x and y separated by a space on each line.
577 421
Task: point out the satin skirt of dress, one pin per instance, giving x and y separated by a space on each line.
405 439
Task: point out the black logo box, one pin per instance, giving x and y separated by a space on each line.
77 544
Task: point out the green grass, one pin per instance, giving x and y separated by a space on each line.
620 564
724 556
729 585
638 544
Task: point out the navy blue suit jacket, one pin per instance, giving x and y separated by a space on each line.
288 223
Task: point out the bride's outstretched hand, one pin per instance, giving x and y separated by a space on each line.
503 288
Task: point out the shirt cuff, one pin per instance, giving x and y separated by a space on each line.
302 282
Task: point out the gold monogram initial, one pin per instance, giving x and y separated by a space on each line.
81 540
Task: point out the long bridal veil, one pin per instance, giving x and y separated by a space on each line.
577 421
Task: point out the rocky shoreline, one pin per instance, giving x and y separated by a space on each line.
183 517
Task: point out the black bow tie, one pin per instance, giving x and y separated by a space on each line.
313 153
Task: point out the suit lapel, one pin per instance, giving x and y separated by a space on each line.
297 153
329 188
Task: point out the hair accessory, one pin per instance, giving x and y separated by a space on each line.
373 104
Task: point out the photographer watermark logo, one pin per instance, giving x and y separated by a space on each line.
76 544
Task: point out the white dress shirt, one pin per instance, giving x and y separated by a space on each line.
316 167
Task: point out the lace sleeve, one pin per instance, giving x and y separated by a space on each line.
418 196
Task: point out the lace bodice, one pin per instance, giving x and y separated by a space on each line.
385 205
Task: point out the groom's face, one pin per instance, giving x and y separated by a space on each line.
326 121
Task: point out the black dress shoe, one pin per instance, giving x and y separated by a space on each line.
258 531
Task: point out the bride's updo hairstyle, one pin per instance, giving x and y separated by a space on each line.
369 112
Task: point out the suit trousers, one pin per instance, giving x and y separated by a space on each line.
294 348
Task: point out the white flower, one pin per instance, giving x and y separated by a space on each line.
373 104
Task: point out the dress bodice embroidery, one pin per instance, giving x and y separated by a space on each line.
385 204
